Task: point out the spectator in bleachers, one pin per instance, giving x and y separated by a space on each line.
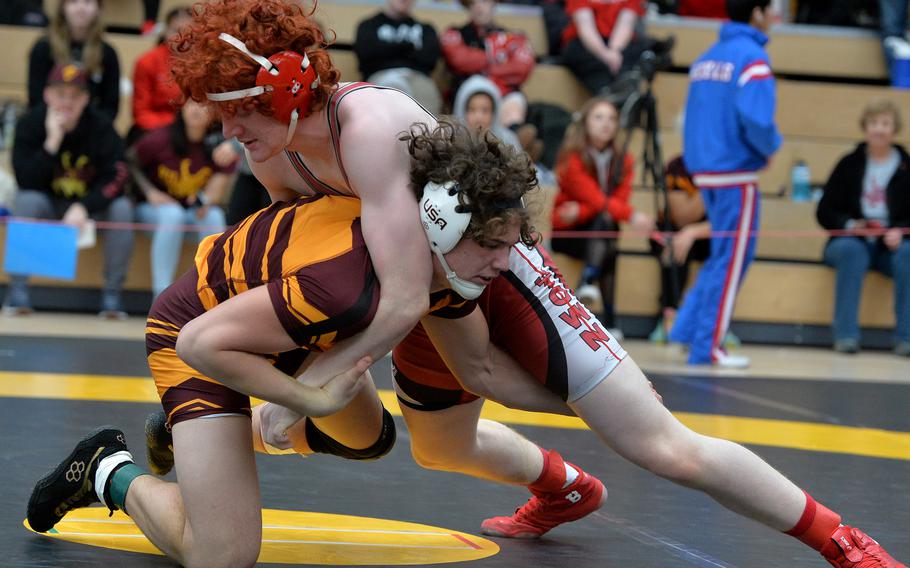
155 94
22 13
600 42
870 189
729 135
395 50
595 184
76 34
685 217
484 48
182 186
478 105
68 161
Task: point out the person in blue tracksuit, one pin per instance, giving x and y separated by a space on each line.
729 135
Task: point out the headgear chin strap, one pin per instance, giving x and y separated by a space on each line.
445 220
286 74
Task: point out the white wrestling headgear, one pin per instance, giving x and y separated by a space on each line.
286 74
445 220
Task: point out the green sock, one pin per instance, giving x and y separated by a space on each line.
120 483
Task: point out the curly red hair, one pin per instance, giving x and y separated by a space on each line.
202 63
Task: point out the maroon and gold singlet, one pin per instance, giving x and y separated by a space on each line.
308 252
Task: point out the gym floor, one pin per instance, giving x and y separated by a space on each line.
837 425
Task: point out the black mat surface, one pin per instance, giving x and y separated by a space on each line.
647 522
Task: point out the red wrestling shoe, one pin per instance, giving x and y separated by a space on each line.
548 509
852 548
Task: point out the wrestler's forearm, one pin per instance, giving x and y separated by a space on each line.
513 387
394 318
483 369
254 375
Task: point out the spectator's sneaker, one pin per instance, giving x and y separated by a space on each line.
659 333
111 307
72 484
902 348
896 46
847 346
17 301
729 361
589 295
852 548
546 510
159 445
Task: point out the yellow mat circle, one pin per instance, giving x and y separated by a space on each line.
298 537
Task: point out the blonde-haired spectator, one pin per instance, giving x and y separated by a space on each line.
870 189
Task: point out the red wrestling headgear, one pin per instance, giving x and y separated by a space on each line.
286 74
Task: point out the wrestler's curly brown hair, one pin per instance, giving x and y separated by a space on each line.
202 63
490 174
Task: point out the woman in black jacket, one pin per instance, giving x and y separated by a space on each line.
869 191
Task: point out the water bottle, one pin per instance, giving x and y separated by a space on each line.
9 125
800 180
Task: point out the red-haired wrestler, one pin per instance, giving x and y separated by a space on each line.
264 67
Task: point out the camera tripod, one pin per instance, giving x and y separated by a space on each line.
639 112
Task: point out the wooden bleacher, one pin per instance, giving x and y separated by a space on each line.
795 49
773 292
818 119
777 289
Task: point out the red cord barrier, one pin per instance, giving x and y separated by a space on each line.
768 233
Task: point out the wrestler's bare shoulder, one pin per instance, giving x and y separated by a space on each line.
379 111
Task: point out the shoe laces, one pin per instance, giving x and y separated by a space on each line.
529 513
865 544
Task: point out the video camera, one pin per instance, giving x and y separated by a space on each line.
656 57
627 91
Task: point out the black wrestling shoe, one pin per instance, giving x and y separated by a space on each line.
72 484
159 444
